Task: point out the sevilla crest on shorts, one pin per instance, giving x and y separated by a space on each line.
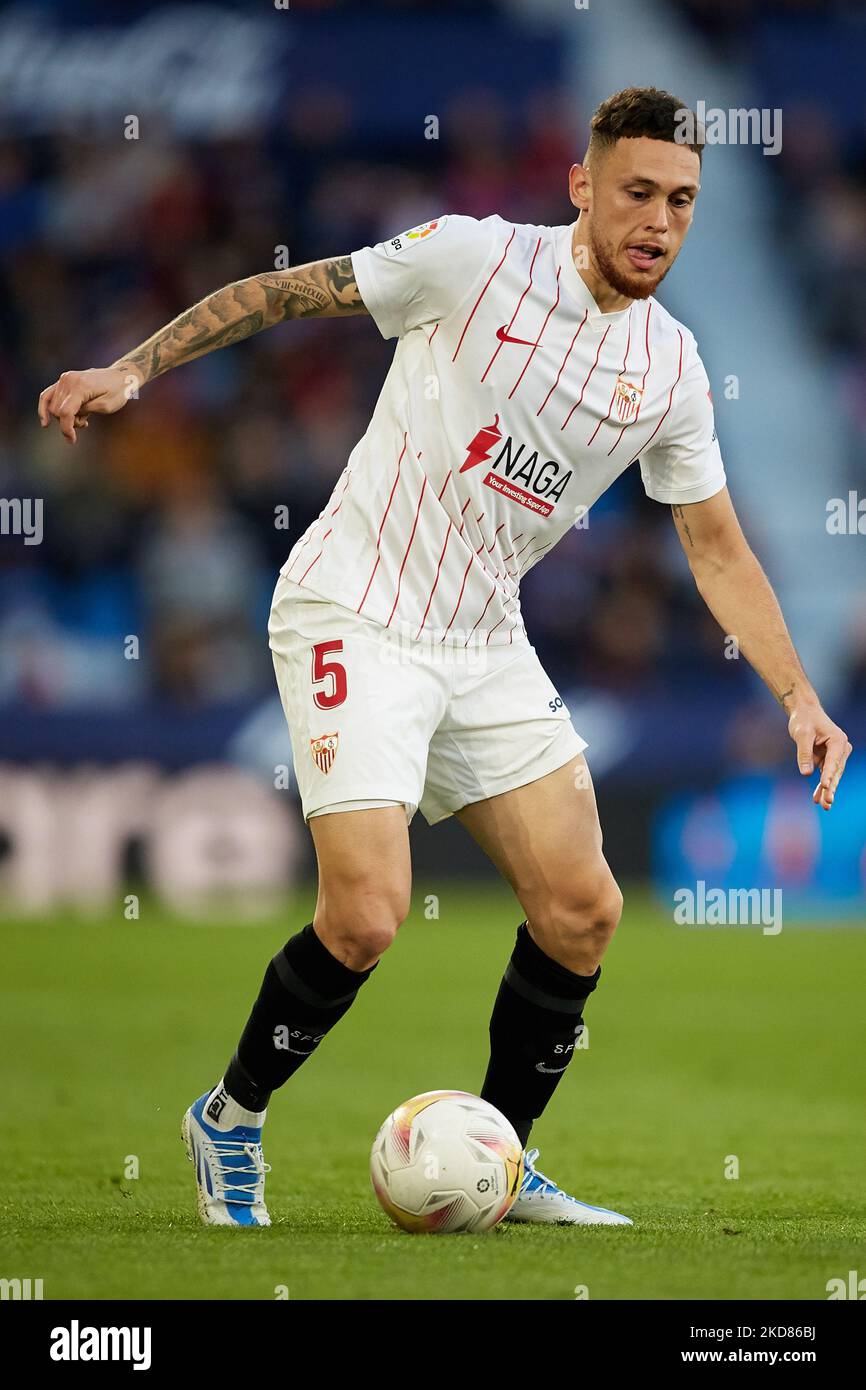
627 399
324 751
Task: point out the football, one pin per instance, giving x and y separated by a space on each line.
446 1161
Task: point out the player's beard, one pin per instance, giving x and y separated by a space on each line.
632 284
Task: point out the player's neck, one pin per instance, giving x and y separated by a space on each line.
607 299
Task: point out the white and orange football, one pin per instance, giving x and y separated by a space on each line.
446 1161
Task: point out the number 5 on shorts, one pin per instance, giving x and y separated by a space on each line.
322 669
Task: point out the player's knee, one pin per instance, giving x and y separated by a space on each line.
359 927
597 915
584 917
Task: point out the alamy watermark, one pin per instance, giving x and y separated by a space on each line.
734 907
22 516
77 1343
20 1289
405 645
846 517
736 126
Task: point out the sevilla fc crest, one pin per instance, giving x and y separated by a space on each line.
627 399
324 751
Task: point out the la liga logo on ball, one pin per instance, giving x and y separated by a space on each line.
446 1161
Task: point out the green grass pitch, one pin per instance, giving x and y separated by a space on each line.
703 1043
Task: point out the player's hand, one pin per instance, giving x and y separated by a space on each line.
75 395
820 743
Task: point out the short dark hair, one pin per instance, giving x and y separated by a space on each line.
644 111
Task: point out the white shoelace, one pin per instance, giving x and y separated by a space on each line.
532 1172
226 1176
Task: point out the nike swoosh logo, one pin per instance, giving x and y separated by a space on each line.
539 1067
502 335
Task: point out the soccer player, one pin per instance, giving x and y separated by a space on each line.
533 366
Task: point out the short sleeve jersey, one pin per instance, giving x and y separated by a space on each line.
510 406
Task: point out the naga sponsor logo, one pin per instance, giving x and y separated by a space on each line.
516 471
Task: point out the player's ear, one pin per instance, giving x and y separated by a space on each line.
580 186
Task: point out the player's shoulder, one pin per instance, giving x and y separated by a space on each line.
673 330
531 232
497 225
463 227
441 238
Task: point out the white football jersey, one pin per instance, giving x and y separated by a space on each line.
510 406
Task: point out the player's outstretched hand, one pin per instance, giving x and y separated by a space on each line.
820 743
75 395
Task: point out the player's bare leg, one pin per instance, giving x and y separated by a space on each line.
365 881
546 841
364 888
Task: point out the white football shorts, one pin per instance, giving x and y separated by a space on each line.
377 719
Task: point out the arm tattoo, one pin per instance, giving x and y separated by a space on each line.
678 513
323 288
786 695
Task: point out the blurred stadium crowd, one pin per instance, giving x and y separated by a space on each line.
161 522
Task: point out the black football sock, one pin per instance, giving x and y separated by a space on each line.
305 992
536 1022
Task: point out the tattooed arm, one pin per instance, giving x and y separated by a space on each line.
739 595
323 288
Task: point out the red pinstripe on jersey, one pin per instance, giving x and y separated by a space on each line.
490 546
459 598
642 384
540 336
511 552
500 344
510 276
478 521
483 293
478 549
613 392
381 524
438 568
523 547
586 383
562 364
538 553
324 538
408 548
474 553
480 615
669 404
463 515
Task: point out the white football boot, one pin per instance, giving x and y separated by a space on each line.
539 1199
229 1164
